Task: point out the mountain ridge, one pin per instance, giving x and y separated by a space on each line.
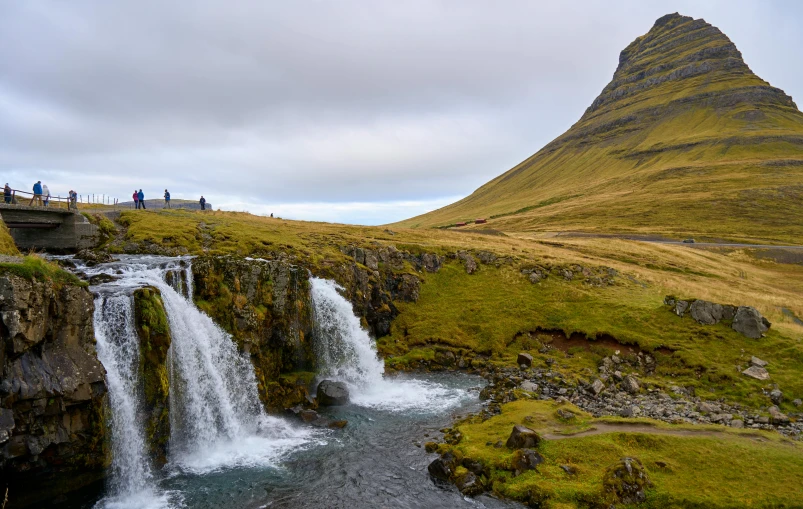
682 100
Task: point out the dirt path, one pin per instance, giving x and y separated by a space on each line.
625 427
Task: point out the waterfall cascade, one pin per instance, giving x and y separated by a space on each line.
347 353
216 417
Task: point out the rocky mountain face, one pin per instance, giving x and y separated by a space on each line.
52 429
684 138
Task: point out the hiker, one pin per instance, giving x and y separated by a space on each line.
73 203
7 194
37 193
167 199
141 197
136 199
203 203
46 194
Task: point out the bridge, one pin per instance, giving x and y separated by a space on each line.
50 228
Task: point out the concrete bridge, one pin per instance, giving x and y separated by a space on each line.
49 228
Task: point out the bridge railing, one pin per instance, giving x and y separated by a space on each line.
19 197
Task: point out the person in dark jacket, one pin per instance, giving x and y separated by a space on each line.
141 197
7 193
135 196
37 193
203 203
167 199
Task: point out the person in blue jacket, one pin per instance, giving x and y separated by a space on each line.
167 199
141 197
37 193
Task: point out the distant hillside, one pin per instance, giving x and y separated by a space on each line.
685 139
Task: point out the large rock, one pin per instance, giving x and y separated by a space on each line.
630 384
748 321
522 437
331 393
524 359
469 485
624 482
443 468
706 313
757 373
525 459
153 331
52 412
471 264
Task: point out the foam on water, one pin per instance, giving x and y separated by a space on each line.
347 353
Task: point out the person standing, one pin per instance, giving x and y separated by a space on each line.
203 203
73 200
141 197
37 193
135 196
7 194
167 199
46 194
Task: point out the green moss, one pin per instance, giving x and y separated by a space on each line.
7 246
153 329
35 267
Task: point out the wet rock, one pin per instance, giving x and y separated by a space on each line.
443 467
525 459
757 373
468 484
99 279
473 466
749 322
339 424
755 361
331 393
431 447
93 258
524 359
308 415
522 437
706 313
624 482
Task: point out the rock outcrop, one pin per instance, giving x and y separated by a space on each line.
745 320
52 419
153 330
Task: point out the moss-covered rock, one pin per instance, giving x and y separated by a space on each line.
154 335
624 482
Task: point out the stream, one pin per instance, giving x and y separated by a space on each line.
225 451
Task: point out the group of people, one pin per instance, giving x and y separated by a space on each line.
139 200
41 196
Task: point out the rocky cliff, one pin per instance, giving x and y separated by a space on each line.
52 390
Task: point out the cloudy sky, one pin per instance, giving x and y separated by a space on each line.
349 111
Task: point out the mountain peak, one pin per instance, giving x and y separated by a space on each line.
683 124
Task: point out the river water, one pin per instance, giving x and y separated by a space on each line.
226 452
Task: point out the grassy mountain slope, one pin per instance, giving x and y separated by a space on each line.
685 139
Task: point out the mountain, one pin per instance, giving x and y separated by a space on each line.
684 140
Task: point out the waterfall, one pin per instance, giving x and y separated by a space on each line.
347 353
217 419
131 477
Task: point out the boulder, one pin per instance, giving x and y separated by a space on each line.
706 313
777 417
469 485
757 373
522 437
755 361
630 384
597 387
624 482
93 258
737 423
728 312
680 307
331 393
749 322
471 264
443 467
776 396
525 459
524 359
473 466
528 386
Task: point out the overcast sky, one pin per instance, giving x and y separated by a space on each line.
361 112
